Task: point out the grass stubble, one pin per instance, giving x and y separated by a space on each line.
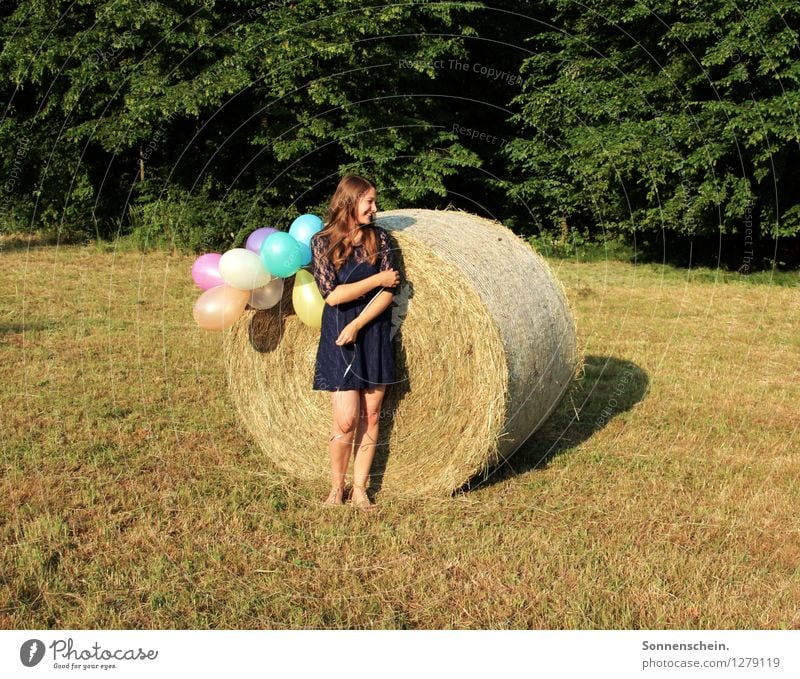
662 494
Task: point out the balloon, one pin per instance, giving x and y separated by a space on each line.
268 296
304 227
242 269
305 253
307 300
219 308
255 239
205 271
280 254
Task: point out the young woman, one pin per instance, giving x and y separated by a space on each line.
354 268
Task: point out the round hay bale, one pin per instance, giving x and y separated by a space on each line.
485 351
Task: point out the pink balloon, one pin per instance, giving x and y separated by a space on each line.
255 239
205 271
219 308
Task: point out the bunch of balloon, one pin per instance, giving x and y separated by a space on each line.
283 254
230 282
254 275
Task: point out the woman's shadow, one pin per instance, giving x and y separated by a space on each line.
609 386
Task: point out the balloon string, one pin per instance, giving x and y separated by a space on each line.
347 370
351 364
350 443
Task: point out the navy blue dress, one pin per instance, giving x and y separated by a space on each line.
369 361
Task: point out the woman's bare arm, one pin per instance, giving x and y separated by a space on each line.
375 309
347 292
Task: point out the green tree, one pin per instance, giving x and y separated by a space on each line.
680 116
218 116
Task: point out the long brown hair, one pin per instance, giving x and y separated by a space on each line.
341 211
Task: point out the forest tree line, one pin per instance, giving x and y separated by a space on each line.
193 123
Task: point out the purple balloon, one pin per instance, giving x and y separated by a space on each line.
255 239
205 271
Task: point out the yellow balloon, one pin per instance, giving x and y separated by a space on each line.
307 300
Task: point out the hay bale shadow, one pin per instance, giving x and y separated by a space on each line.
609 386
267 325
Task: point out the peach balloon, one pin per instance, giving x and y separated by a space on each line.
220 307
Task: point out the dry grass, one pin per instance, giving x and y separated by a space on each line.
132 498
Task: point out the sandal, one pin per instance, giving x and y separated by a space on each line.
335 497
364 503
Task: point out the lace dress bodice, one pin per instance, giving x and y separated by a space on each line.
326 275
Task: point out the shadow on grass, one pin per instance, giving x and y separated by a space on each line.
729 252
774 262
11 242
19 328
609 386
717 259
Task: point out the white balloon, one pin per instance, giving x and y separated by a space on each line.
267 296
240 268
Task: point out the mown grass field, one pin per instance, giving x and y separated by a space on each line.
131 497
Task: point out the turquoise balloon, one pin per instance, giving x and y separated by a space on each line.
281 254
307 254
304 227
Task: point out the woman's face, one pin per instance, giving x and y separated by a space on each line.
367 207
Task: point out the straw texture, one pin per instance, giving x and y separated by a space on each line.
484 353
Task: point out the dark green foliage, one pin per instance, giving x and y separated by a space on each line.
679 116
191 123
196 122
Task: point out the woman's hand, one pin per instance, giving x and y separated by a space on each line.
348 334
389 278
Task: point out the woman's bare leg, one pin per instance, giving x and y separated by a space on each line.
367 439
345 420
